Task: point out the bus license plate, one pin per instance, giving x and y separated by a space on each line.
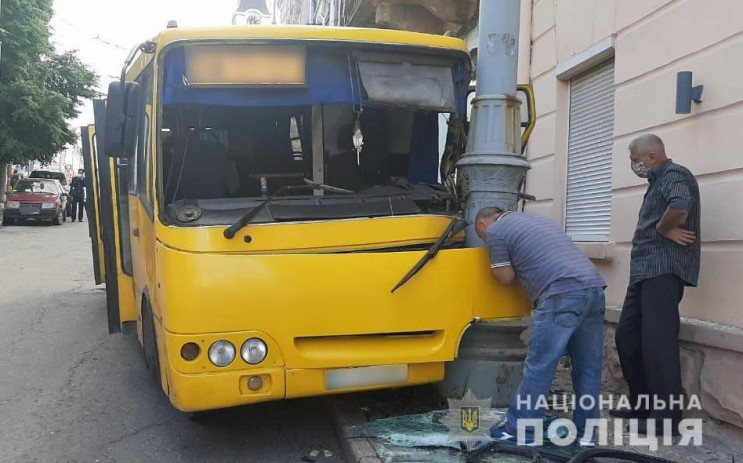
378 375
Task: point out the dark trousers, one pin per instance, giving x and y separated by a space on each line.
647 342
78 205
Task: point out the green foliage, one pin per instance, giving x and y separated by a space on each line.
39 88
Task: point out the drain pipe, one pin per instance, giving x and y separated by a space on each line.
492 168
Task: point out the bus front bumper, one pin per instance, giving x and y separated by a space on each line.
206 391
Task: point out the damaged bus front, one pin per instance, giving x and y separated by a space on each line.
274 185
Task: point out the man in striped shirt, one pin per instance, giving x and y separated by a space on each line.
665 258
568 319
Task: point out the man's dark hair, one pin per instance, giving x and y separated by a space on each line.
488 213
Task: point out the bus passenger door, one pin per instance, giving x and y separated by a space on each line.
87 135
109 196
139 195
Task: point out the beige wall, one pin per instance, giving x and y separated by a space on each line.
653 40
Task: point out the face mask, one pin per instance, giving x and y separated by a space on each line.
641 170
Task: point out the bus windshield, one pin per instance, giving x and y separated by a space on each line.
347 121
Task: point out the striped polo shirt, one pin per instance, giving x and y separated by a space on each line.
544 258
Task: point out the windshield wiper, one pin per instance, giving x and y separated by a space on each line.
230 231
456 226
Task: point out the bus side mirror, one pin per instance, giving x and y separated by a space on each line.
121 119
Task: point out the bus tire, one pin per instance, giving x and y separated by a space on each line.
149 344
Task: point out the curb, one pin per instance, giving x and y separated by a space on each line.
347 414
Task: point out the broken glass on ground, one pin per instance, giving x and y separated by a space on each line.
424 438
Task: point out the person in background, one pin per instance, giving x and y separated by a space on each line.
14 178
664 259
77 195
567 293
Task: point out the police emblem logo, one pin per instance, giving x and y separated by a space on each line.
470 418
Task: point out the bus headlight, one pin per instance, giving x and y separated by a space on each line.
221 353
254 351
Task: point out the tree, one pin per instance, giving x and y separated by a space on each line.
40 89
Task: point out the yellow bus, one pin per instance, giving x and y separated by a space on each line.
260 192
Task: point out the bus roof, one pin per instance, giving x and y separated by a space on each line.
339 34
320 33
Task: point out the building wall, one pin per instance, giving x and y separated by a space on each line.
320 12
429 16
653 40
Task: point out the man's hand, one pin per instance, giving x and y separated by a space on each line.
503 275
680 236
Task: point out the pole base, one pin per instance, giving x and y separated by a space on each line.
490 363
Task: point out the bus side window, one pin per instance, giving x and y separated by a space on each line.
143 155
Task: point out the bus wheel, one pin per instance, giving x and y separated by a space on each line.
149 344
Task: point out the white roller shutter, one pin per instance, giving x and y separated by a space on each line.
591 132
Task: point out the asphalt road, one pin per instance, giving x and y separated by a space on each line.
69 391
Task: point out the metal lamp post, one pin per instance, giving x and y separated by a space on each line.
491 172
492 168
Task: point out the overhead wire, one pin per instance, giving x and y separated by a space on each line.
92 35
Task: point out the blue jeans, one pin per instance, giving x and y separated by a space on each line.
564 324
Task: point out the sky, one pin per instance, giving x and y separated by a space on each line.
104 31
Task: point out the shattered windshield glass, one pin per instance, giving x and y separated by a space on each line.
426 437
223 150
248 155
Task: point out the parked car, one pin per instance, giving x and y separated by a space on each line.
36 199
53 175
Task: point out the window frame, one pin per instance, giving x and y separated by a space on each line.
141 173
595 66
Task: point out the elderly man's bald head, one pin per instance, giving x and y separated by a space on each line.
648 143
